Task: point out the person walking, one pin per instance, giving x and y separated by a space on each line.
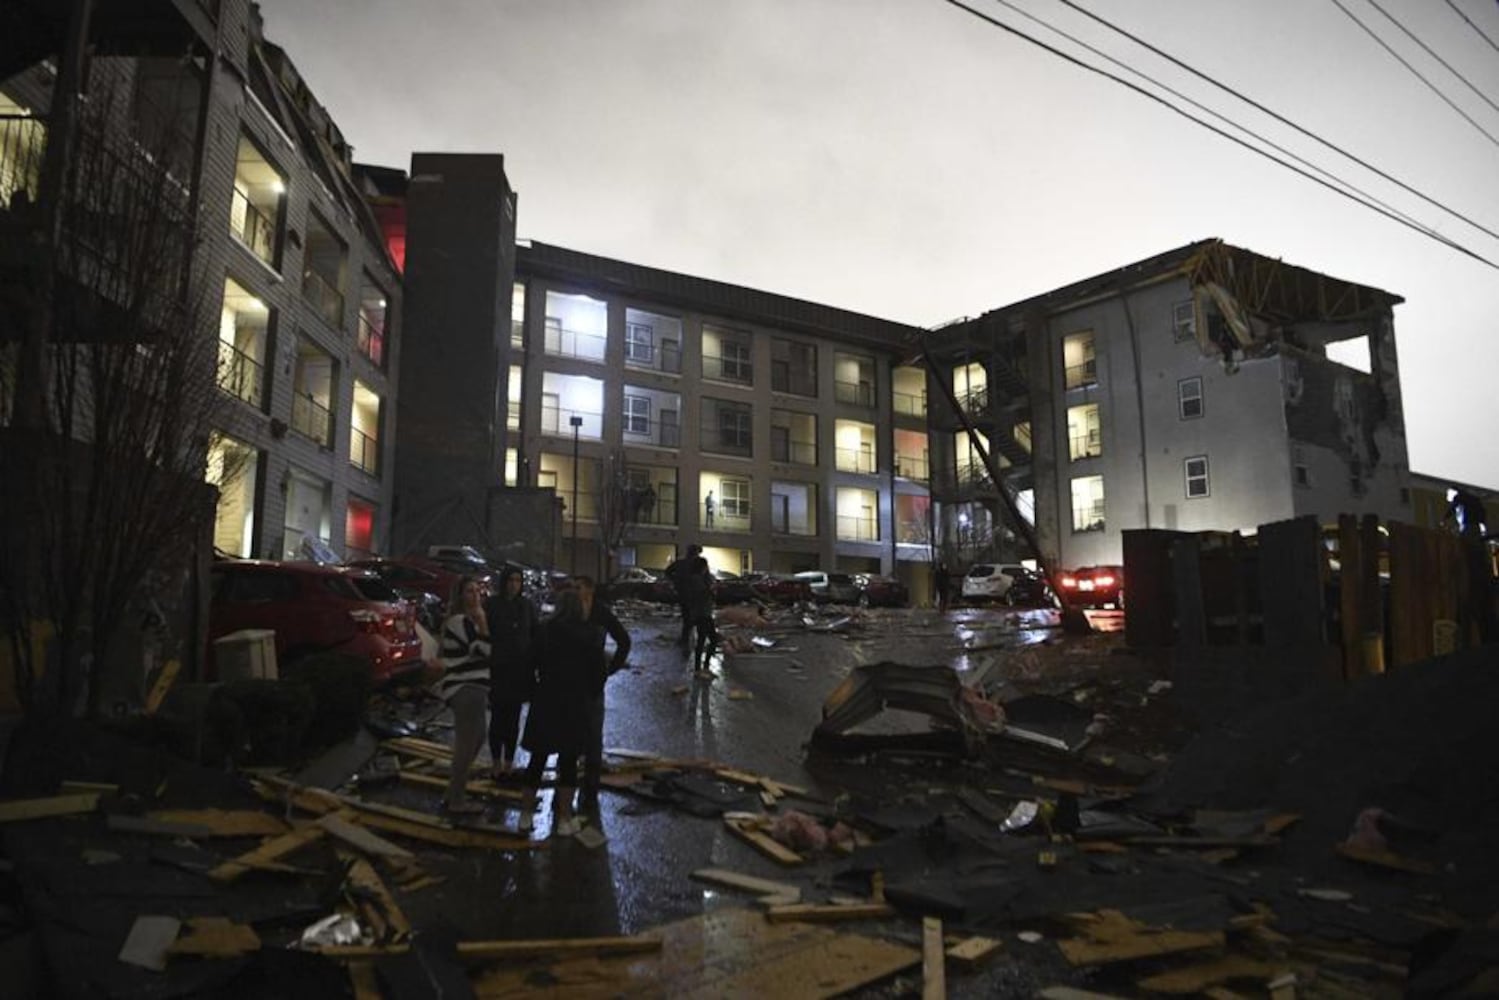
697 612
678 573
464 684
512 671
567 712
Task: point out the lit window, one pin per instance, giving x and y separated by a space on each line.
637 415
1189 398
1079 361
1197 476
1087 504
1084 432
640 343
734 495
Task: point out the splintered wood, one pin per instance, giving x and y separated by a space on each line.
215 937
1110 936
271 851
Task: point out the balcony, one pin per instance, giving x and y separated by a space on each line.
312 420
1083 375
856 393
729 368
324 298
914 467
975 402
1087 516
240 375
512 415
253 228
1085 445
557 421
371 341
852 528
517 335
23 143
364 452
563 342
794 452
783 523
729 517
662 512
908 404
659 433
855 460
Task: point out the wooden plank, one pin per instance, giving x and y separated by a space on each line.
973 950
272 850
762 842
343 826
1410 613
165 677
362 876
363 980
215 937
224 822
24 810
824 913
724 878
1145 944
486 788
1385 859
1197 978
448 836
933 961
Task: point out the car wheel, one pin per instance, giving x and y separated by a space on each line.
1010 597
863 600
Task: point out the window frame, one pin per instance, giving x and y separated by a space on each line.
1205 477
742 420
633 403
736 368
1184 329
737 505
633 341
1182 399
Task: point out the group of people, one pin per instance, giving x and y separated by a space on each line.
495 653
693 580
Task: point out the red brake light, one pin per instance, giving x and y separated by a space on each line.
1104 581
1069 582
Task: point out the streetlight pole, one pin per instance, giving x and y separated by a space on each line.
576 422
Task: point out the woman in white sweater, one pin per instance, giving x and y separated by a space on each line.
464 685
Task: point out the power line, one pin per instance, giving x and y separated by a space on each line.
1216 114
1481 33
1279 117
1431 52
1415 72
1430 234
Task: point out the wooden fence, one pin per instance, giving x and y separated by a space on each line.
1384 595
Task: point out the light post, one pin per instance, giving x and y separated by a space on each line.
576 422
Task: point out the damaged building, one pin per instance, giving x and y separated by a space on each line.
1199 389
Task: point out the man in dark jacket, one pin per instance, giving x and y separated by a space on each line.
678 573
512 671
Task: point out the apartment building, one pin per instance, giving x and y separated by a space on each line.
1189 391
289 257
779 434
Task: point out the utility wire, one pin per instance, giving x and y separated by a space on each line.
1431 52
1452 244
1415 72
1481 33
1279 117
1008 5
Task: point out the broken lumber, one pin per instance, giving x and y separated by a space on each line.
215 937
1113 937
223 822
784 892
22 810
972 951
829 912
933 960
1384 859
1197 978
474 787
343 825
767 845
362 877
272 850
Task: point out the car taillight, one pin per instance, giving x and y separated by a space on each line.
1104 581
379 623
1069 582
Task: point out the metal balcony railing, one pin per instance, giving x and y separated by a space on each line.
1081 376
664 511
372 340
857 529
855 460
794 452
1088 445
512 415
728 369
785 524
557 421
311 419
327 300
911 533
240 374
644 430
588 508
364 452
912 467
975 402
728 515
908 403
795 381
254 228
517 335
562 342
23 144
1087 516
857 393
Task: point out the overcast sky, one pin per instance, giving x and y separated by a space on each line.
904 159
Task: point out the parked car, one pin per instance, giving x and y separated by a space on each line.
1028 588
430 608
314 609
731 588
633 584
1094 587
779 588
435 576
986 582
831 588
878 591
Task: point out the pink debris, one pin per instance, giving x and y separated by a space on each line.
799 831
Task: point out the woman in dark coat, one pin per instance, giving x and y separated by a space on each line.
567 711
512 668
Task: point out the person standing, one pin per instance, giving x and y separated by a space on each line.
567 713
464 684
512 672
708 505
941 580
678 573
697 614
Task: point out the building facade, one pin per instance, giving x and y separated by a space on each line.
664 409
289 260
1191 391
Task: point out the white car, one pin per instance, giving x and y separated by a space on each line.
986 582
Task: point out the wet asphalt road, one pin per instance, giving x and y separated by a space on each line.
639 878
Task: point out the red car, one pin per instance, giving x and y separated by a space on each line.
877 591
313 609
1094 587
435 576
778 588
